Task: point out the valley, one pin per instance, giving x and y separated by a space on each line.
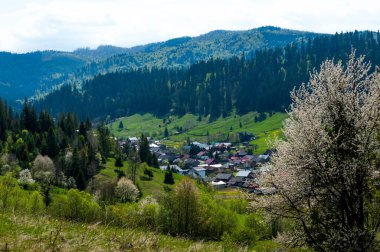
264 139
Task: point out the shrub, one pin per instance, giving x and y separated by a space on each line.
13 198
76 205
103 187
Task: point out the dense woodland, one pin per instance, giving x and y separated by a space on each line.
215 87
71 145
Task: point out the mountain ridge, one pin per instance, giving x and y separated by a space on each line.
46 69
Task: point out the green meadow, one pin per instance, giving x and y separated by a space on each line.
190 127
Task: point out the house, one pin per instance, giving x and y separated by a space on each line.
224 156
133 140
172 167
210 161
198 172
235 181
226 166
122 143
210 170
201 145
264 158
217 166
168 157
177 161
265 191
182 171
241 153
201 153
204 157
245 175
191 162
154 147
250 185
186 149
219 184
225 177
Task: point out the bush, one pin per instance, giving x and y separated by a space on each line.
216 219
103 187
76 205
148 172
13 198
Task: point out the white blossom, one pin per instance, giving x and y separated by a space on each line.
323 168
126 190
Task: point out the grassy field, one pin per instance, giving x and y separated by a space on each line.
43 233
147 187
188 126
229 193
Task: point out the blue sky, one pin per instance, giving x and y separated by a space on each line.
27 25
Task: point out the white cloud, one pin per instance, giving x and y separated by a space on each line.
68 24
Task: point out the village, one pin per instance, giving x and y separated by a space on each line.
220 165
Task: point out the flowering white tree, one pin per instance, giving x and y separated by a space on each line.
43 169
126 190
25 177
323 170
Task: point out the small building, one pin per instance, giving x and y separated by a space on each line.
201 153
235 181
186 149
133 140
210 161
174 168
245 174
198 172
241 153
225 177
264 158
219 184
265 191
217 166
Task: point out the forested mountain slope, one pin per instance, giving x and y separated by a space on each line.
21 75
215 87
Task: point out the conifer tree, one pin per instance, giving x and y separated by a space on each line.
121 126
144 151
169 179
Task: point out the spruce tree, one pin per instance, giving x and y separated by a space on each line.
121 126
52 145
144 151
169 179
82 130
119 161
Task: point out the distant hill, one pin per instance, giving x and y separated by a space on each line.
23 75
185 51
